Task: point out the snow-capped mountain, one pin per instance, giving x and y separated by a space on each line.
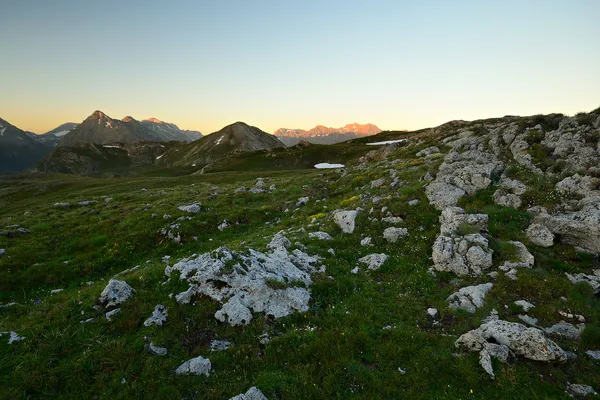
99 128
321 134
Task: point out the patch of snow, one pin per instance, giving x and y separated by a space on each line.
111 147
159 157
386 142
61 133
2 131
327 166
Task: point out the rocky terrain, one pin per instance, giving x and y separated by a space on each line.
462 262
324 135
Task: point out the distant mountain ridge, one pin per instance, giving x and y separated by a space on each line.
19 149
321 134
99 128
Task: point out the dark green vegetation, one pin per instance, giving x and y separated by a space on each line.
359 331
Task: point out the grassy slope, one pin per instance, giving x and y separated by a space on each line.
337 349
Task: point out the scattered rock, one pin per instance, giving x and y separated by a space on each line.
366 241
525 305
392 220
378 183
195 366
428 151
527 342
224 225
392 234
157 350
302 201
469 298
115 293
373 261
413 202
354 270
2 252
192 208
158 317
345 219
320 235
595 354
592 280
432 312
540 235
523 258
252 394
279 240
111 313
56 291
62 204
579 390
12 337
528 320
566 330
219 345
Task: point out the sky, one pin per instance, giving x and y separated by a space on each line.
296 64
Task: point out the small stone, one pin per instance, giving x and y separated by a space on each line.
580 390
413 202
595 354
345 219
302 201
109 314
320 235
373 261
192 208
158 317
392 234
540 235
252 394
195 366
528 320
157 350
56 291
331 251
432 312
354 271
219 345
366 241
525 305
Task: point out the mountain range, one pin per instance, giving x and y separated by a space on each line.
321 134
99 128
20 149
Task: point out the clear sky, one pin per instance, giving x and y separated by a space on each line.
296 64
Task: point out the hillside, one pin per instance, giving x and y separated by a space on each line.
99 128
19 149
462 262
232 139
323 135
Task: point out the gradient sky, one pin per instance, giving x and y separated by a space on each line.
296 64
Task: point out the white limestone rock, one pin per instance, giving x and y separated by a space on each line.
238 280
526 342
252 394
111 313
580 390
565 330
13 337
591 279
373 261
158 317
195 366
192 208
469 298
523 258
392 234
115 293
525 305
157 350
320 235
540 235
365 241
345 219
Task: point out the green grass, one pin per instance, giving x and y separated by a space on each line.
338 349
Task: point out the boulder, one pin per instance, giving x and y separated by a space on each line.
157 350
592 280
523 341
469 298
540 235
195 366
345 219
565 330
392 234
579 390
115 293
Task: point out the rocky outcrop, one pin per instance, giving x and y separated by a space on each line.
460 252
373 261
393 234
591 279
158 317
240 280
523 341
509 192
